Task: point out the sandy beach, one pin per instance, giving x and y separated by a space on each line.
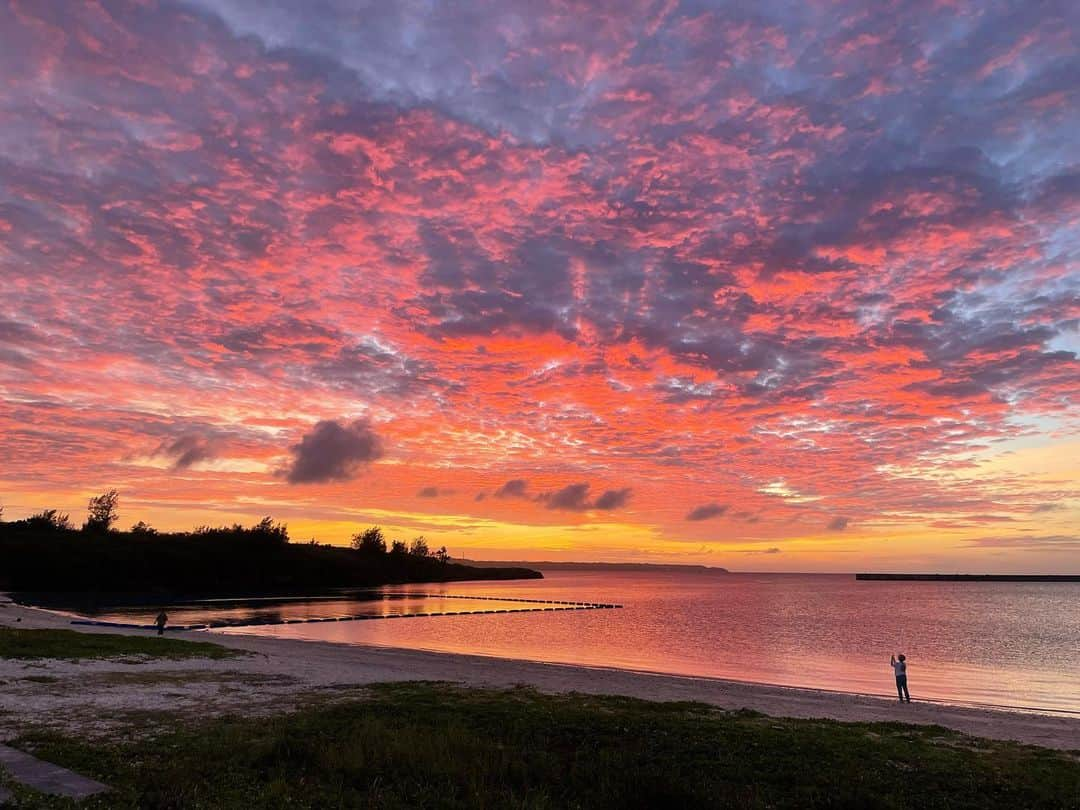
102 697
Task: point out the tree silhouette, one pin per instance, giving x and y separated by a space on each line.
50 519
45 552
101 512
370 541
266 529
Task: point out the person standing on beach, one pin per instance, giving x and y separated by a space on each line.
161 620
899 666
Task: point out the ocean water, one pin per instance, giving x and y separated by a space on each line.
1003 644
381 603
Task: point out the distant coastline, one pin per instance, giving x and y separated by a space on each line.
44 556
595 566
970 577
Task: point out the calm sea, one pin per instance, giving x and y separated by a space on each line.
1003 644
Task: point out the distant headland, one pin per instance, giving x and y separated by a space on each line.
596 566
46 553
971 577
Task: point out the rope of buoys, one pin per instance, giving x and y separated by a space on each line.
561 605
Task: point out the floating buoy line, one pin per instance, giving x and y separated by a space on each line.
536 606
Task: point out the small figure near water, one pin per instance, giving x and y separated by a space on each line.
161 620
899 665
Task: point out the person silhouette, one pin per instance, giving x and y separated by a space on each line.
161 620
899 665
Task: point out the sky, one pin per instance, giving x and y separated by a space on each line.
770 286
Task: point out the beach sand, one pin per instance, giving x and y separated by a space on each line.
110 696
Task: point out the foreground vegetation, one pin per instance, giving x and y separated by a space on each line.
432 745
69 645
44 555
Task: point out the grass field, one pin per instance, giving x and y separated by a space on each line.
438 746
70 646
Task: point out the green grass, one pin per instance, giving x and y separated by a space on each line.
70 646
437 746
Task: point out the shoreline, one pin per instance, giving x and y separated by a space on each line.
80 622
299 667
239 630
1061 731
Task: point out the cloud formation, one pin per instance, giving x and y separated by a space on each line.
333 452
186 450
612 499
575 497
1055 542
572 496
706 511
434 492
813 260
514 488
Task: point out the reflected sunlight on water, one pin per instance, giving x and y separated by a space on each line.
1008 644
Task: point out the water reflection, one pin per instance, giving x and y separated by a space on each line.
382 603
1009 644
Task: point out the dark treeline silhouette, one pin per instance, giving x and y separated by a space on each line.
46 554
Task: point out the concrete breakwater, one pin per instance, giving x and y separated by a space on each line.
969 577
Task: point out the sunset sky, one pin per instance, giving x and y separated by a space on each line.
770 285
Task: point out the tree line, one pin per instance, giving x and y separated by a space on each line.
372 542
102 515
